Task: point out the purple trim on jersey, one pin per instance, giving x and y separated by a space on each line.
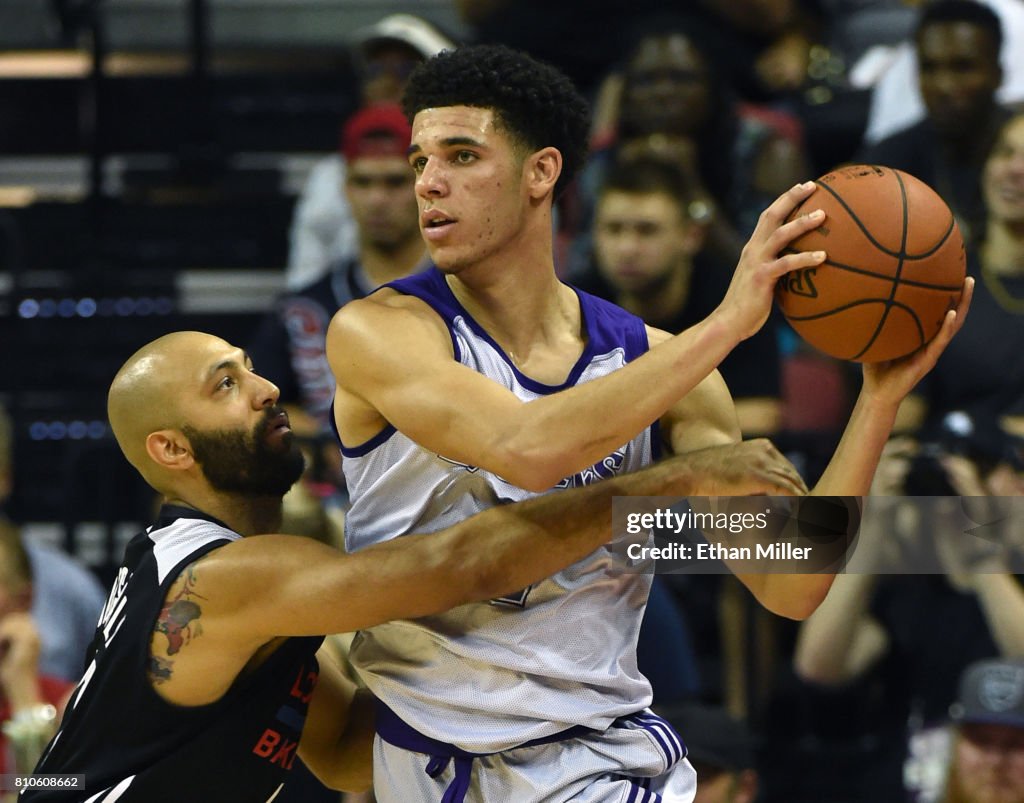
661 731
367 446
364 448
640 785
608 327
655 725
395 731
431 287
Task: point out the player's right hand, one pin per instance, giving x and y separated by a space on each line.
748 300
744 469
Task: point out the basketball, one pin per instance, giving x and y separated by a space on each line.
894 265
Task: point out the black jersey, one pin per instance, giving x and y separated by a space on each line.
133 746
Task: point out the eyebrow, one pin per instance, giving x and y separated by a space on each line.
447 143
229 364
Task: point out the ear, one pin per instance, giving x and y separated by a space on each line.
170 449
698 219
542 170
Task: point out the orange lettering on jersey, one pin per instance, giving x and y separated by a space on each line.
265 746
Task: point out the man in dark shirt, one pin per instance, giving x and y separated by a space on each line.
648 233
958 44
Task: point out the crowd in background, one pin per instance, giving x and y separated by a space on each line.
902 686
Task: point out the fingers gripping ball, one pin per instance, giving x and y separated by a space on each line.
895 264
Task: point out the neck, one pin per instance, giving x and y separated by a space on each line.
382 265
515 293
246 515
660 302
1002 252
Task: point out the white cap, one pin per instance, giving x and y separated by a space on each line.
415 32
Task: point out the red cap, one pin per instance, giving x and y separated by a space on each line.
377 130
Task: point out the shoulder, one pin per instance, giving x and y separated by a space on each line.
609 326
368 334
186 540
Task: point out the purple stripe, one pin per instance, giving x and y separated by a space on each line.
669 754
670 733
633 793
368 446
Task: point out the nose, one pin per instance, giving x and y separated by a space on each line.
266 393
431 181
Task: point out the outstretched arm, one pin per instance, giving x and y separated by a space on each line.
245 595
392 359
852 467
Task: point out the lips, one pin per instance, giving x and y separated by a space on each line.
435 224
277 426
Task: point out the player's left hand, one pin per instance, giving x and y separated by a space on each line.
892 380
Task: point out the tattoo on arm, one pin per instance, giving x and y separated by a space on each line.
179 622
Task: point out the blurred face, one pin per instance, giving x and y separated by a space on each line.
959 75
386 70
380 191
1003 176
469 185
640 240
666 89
989 764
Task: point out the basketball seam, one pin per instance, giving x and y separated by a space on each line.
858 303
896 276
872 240
883 276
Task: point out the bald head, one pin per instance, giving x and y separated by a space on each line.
145 396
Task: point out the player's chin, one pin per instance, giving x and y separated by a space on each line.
447 261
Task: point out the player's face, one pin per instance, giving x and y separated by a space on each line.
1003 176
666 88
989 763
469 185
239 436
380 192
640 240
959 75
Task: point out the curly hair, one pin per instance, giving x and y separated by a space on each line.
532 101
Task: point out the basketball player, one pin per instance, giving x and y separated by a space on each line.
204 659
485 381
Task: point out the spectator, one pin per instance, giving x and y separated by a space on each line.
983 371
886 640
67 598
957 45
672 101
648 235
896 100
29 698
987 761
323 231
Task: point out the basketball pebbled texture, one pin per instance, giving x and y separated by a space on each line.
895 264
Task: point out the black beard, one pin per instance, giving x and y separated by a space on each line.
243 463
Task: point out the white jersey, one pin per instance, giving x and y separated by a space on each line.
489 676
